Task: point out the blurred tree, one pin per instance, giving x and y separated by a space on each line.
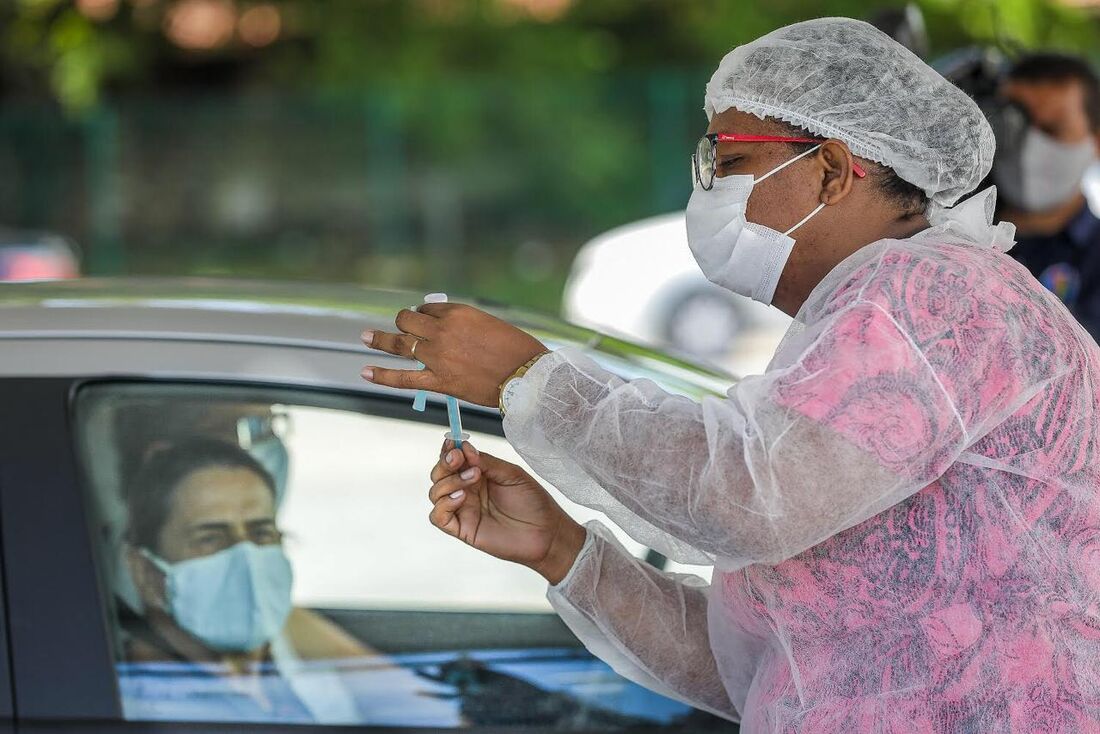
50 49
432 123
75 49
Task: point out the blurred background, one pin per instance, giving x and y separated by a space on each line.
471 146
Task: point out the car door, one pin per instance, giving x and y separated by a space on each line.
123 490
8 477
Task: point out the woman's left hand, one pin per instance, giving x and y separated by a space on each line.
465 352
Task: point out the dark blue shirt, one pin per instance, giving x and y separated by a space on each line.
1068 264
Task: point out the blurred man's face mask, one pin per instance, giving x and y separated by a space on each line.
232 601
739 255
1045 173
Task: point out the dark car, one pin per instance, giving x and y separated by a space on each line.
392 625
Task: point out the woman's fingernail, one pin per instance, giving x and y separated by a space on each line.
457 495
468 474
367 337
450 458
368 373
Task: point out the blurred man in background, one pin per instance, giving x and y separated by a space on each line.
1039 177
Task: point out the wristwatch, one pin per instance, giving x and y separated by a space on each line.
508 387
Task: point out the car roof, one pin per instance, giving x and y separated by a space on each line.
133 313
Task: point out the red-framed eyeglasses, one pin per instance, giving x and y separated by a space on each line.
704 159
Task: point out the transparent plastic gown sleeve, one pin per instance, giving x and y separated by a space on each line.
853 417
859 422
664 616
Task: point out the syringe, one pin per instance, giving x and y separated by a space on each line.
420 402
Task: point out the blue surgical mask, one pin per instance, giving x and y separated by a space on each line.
233 601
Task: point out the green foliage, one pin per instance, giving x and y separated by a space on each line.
337 44
50 46
525 129
1016 24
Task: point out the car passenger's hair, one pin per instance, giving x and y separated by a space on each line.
908 198
141 424
1057 68
153 488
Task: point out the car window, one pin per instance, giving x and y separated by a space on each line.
267 557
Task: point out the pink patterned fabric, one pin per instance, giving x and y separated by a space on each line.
972 605
902 510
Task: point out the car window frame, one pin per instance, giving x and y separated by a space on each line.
62 664
57 628
61 601
79 691
7 692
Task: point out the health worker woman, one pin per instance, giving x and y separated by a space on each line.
902 511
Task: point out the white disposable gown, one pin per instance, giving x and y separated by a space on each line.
902 511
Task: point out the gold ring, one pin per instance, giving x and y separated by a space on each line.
413 350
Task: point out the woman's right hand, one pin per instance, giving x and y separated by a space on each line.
500 509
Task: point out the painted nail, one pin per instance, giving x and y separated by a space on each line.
367 337
468 474
367 373
457 495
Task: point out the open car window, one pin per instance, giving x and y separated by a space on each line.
267 557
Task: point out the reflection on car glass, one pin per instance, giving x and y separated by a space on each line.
227 528
566 690
214 585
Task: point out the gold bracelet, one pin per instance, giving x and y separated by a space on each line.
520 372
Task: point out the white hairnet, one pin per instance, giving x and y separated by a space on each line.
845 79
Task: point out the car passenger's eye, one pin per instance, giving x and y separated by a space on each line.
266 536
210 542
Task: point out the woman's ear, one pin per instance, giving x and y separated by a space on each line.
148 579
837 163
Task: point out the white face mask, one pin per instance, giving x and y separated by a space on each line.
745 257
234 600
1049 173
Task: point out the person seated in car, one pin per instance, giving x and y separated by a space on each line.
205 552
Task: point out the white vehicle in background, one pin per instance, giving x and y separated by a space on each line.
640 281
1092 188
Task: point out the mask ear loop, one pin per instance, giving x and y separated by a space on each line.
780 168
161 565
805 219
164 567
784 165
